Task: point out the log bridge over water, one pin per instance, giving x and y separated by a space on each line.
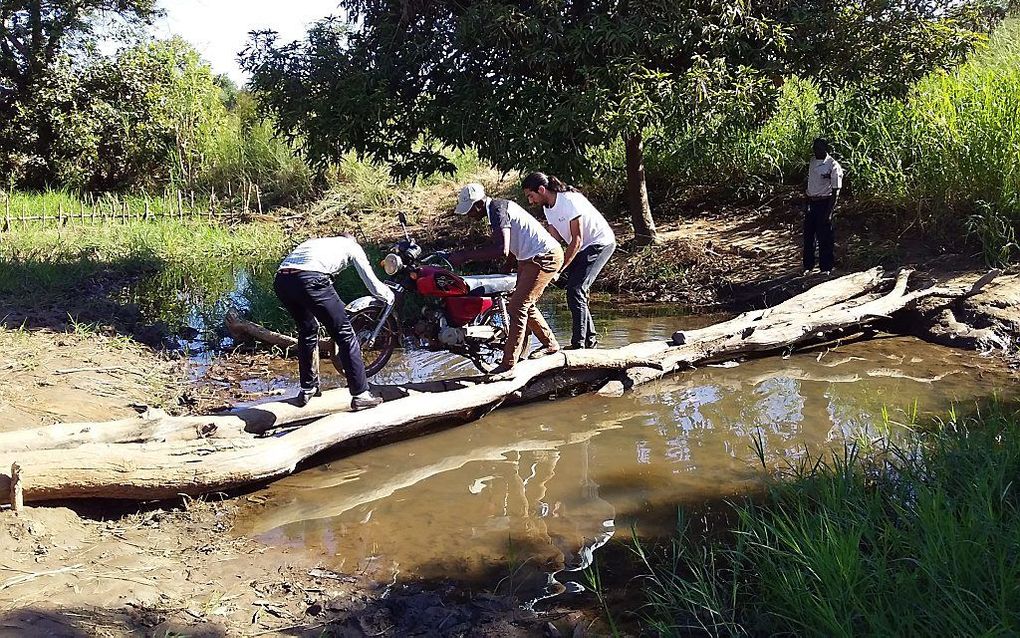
157 456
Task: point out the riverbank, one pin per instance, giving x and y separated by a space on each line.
912 534
147 553
177 570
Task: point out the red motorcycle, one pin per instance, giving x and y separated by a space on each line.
462 314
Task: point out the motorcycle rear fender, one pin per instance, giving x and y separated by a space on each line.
364 303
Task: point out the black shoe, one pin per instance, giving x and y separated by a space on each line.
363 403
305 395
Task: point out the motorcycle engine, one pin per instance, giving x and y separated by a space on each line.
430 325
451 336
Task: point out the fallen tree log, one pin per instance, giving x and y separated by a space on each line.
244 330
155 426
165 456
988 320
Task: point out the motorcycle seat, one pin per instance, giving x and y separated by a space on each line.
488 285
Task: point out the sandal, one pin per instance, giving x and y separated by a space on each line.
544 351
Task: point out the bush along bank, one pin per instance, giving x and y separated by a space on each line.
944 161
916 537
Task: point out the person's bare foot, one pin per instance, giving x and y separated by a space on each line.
500 373
544 351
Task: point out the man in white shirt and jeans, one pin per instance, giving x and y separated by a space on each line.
304 284
825 178
590 243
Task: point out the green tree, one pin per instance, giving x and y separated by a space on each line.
161 108
40 40
145 117
544 83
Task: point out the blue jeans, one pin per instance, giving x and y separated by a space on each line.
310 298
581 274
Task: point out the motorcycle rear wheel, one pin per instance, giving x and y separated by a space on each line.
378 355
489 356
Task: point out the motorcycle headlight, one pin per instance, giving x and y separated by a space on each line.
392 264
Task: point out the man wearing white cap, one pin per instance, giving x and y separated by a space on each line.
539 259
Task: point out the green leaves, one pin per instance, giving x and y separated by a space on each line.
527 83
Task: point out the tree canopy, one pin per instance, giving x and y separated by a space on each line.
543 83
43 42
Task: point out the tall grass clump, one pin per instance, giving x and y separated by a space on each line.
918 538
952 149
246 148
363 193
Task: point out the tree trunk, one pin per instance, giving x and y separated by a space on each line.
637 192
163 456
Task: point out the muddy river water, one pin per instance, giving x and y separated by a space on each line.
533 492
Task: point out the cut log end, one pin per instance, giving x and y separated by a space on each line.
17 489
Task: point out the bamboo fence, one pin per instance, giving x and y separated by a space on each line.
107 209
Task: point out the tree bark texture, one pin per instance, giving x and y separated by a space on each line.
637 192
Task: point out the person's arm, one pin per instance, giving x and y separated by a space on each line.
555 233
376 288
837 182
575 242
498 249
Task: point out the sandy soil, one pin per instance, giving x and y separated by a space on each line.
46 377
180 572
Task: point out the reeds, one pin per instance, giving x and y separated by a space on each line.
916 537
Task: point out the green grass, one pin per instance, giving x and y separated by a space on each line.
918 537
51 259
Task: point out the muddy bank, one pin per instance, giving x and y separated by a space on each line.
178 568
181 572
48 377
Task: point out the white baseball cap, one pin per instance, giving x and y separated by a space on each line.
468 196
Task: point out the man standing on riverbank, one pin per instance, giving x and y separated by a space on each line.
825 178
304 284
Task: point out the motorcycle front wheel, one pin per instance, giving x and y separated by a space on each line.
378 354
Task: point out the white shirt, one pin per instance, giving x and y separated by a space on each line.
528 238
824 176
330 255
595 230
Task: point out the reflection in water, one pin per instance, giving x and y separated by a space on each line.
576 522
524 497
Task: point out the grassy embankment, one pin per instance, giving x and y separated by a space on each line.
171 268
913 538
944 163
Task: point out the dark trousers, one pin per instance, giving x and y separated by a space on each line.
818 227
311 299
581 274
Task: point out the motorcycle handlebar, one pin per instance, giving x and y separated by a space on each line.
441 256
